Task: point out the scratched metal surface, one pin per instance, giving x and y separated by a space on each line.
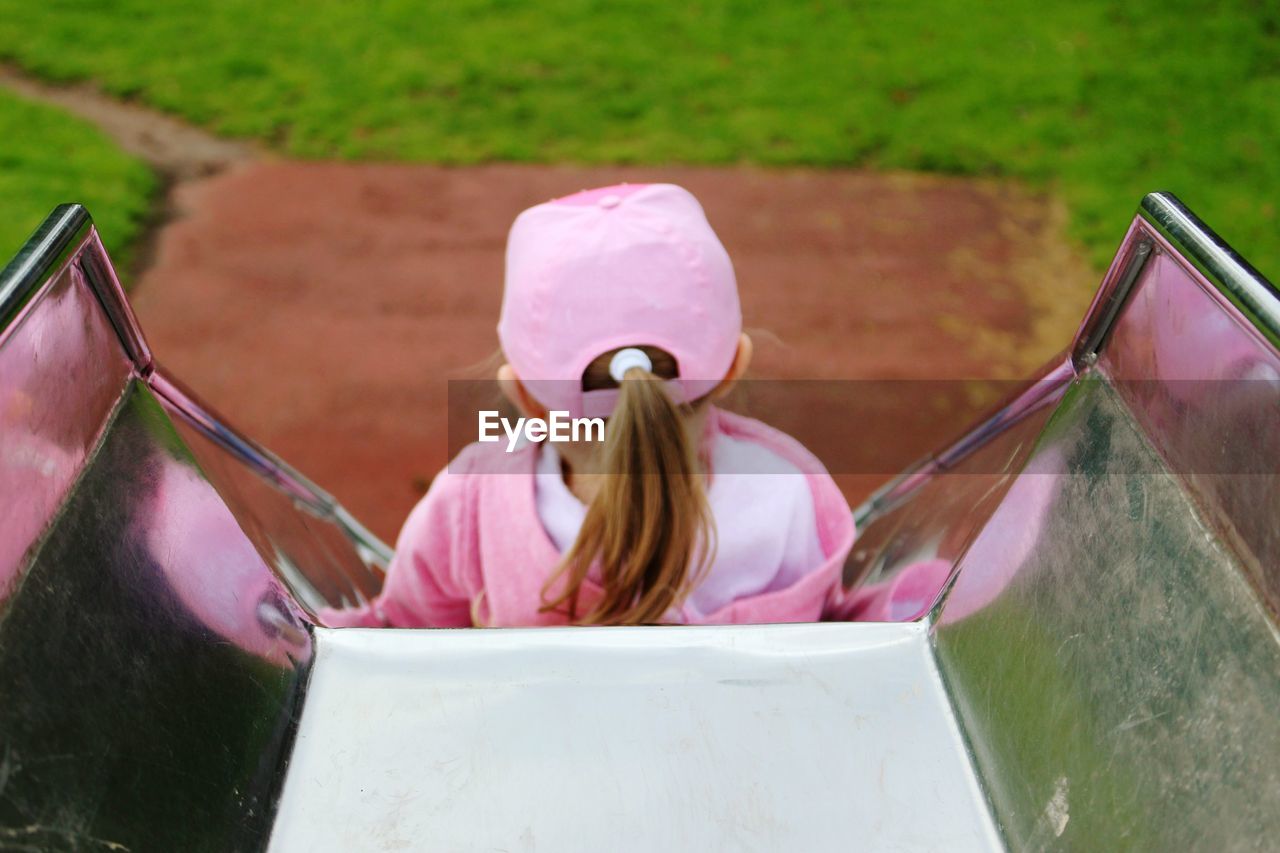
150 663
781 737
1204 383
1118 682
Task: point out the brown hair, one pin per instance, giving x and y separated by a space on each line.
649 526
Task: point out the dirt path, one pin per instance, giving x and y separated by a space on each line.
323 307
175 149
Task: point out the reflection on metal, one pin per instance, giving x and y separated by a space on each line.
1204 384
1118 680
323 554
151 662
322 551
944 512
1256 297
785 737
59 237
311 553
262 462
61 374
147 705
1110 300
102 278
1039 393
1109 636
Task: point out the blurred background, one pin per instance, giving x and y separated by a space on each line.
309 201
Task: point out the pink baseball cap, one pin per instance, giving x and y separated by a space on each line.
619 266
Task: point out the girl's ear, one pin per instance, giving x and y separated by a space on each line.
517 394
741 361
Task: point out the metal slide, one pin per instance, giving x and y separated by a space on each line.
1100 669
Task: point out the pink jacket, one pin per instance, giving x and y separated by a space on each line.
474 551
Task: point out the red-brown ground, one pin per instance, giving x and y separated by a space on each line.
323 307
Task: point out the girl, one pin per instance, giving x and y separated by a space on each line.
621 303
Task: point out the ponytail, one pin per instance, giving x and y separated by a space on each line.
649 526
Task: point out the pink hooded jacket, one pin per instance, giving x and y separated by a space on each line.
474 551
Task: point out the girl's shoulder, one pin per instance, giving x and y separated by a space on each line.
737 454
758 442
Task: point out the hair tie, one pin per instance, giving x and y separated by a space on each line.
625 359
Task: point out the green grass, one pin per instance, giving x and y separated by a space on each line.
48 157
1096 101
